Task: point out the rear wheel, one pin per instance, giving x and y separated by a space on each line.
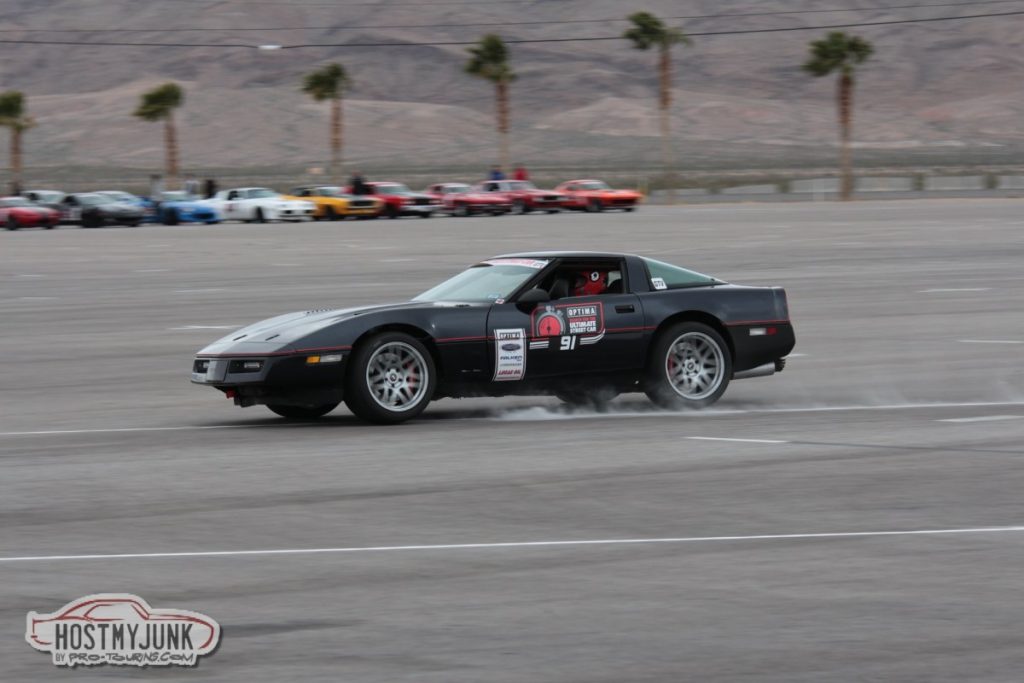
461 210
391 378
690 367
519 206
258 216
302 412
329 214
171 217
11 223
392 211
595 206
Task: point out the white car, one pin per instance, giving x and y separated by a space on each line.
259 204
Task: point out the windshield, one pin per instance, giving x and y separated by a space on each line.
522 185
487 281
261 192
95 200
14 201
448 189
327 192
594 185
392 188
119 196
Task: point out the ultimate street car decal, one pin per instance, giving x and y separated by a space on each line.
510 355
584 320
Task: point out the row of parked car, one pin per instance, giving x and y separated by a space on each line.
49 208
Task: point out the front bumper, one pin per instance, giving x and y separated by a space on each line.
420 209
288 378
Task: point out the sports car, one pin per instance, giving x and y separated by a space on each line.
258 205
578 325
333 203
524 195
459 199
596 195
399 200
178 207
92 210
18 212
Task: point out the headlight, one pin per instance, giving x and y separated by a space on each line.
245 366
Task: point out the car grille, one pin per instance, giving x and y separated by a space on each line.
360 204
551 197
421 201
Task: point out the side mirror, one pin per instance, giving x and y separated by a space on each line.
532 297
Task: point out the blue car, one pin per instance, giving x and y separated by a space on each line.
180 207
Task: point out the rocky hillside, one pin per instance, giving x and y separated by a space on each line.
947 87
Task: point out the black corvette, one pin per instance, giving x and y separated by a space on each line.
577 325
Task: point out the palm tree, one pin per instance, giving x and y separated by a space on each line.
840 52
648 32
330 83
159 104
489 60
12 115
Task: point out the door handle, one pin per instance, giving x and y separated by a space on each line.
624 308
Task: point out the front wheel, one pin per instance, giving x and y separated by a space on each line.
391 378
259 217
329 214
302 412
595 206
393 212
11 223
690 367
519 206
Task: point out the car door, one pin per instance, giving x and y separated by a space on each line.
509 341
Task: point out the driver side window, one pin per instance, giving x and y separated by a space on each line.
585 279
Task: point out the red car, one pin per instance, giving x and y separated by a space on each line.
524 195
459 199
595 195
399 200
18 212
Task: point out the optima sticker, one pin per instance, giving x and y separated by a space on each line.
584 319
510 355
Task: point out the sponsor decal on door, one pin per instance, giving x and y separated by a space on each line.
510 355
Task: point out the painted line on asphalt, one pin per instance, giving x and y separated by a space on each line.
206 327
588 416
519 544
989 341
938 290
984 418
722 438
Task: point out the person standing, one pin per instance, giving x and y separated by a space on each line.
520 173
357 184
496 173
191 185
156 187
210 188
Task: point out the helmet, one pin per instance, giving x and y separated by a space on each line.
590 282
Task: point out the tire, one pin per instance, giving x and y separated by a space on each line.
171 217
11 223
91 220
426 215
690 367
392 212
50 226
461 210
595 206
302 412
258 217
519 206
629 208
329 214
391 378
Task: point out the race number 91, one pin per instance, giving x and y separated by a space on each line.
568 343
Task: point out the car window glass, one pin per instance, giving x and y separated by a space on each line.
666 276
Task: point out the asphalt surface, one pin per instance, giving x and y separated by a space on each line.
902 410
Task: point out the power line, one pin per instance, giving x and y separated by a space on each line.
505 23
515 41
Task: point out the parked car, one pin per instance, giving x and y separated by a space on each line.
92 210
596 195
48 198
399 200
460 199
18 212
180 207
333 203
524 195
259 205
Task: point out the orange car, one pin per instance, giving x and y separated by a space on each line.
595 195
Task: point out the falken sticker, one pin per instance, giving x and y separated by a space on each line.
658 283
510 355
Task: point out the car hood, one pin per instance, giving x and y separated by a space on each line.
281 332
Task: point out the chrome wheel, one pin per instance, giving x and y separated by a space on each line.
695 366
397 377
